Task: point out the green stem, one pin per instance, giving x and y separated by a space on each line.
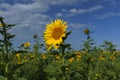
5 41
63 55
88 36
6 71
5 47
63 61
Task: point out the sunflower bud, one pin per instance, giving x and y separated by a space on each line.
26 44
35 36
86 31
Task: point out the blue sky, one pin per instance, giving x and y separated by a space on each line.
102 17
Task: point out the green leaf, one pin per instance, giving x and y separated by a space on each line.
68 33
53 68
9 26
3 78
41 44
1 32
50 69
20 79
20 51
10 36
67 45
2 41
2 66
52 79
1 18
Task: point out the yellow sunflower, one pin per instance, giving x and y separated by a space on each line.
26 44
0 25
54 33
86 31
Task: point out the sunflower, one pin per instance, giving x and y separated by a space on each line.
26 44
1 25
86 31
54 33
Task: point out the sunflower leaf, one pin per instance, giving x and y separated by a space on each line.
68 33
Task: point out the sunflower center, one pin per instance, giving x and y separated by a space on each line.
57 33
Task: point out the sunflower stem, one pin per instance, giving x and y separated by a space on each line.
5 41
88 36
63 52
63 61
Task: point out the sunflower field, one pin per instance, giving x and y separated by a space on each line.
55 59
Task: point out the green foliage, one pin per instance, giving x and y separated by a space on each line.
7 52
109 46
3 78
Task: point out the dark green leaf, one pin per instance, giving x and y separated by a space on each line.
1 18
1 32
68 33
20 51
11 36
66 45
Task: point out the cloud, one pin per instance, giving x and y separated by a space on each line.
60 2
59 15
73 12
110 2
29 19
81 11
78 25
12 2
21 8
70 2
107 15
24 14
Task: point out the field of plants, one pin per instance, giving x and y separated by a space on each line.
55 59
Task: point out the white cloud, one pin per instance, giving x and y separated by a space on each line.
59 15
30 19
110 2
15 1
71 2
107 15
78 25
21 8
60 2
74 11
25 15
64 10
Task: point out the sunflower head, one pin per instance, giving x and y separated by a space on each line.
26 44
18 55
54 33
86 31
1 25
